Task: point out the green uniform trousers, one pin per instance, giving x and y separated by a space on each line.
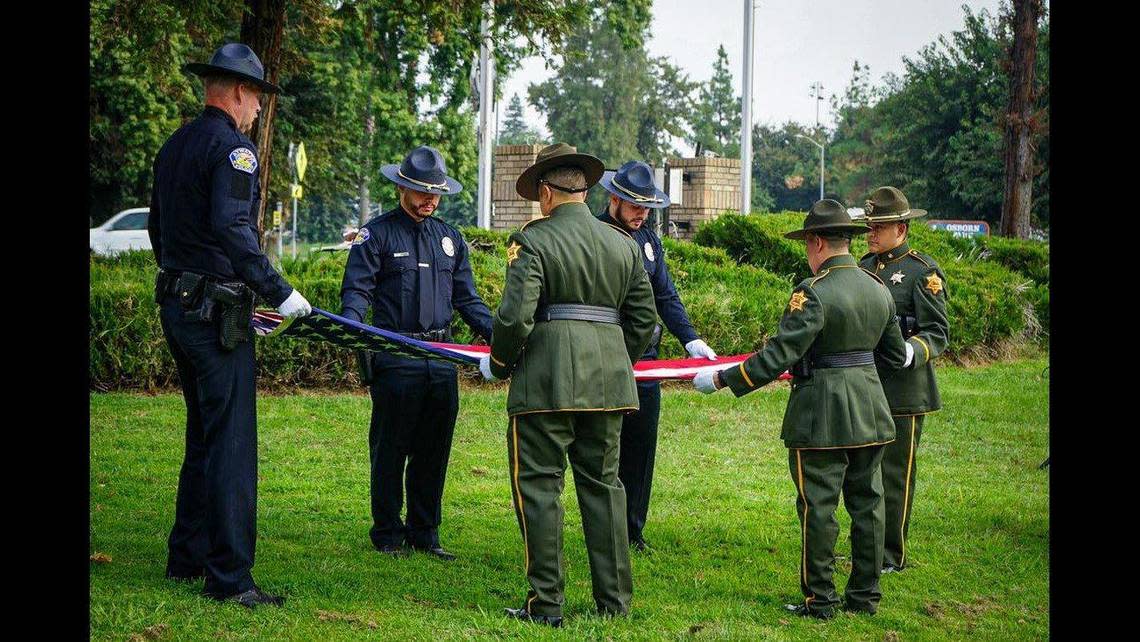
538 445
898 486
820 475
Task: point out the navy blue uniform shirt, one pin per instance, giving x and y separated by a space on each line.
203 209
413 275
668 302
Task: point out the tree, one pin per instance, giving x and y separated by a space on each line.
716 119
516 131
611 99
784 169
853 150
1019 121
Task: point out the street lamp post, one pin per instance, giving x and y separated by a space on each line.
813 142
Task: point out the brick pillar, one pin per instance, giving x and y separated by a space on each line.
509 211
711 186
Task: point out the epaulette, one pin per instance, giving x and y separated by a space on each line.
873 275
819 276
618 229
541 218
921 259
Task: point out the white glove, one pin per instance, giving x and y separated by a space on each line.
295 306
698 348
485 368
705 381
909 355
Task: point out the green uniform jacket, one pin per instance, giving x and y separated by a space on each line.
841 309
571 257
918 287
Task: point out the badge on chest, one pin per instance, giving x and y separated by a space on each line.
649 251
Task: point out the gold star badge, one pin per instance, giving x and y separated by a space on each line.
797 302
513 252
934 284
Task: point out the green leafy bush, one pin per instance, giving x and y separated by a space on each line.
734 304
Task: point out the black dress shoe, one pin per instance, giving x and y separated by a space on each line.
435 550
889 568
250 598
395 550
802 610
639 545
525 615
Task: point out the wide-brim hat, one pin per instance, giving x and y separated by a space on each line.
551 157
889 205
633 182
423 170
828 215
238 60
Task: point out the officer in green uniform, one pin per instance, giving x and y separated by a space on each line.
578 298
836 325
918 287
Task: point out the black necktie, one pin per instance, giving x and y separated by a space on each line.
425 284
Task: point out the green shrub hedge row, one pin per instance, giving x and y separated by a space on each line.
998 287
734 293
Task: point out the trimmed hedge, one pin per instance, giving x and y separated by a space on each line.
734 295
997 287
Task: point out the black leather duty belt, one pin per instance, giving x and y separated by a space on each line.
577 312
441 334
844 359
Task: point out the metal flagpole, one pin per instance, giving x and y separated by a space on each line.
486 98
746 114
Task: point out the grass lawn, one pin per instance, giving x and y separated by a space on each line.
722 526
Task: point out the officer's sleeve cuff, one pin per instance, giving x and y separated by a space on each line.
738 380
921 352
499 369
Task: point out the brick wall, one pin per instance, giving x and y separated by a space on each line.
509 211
710 187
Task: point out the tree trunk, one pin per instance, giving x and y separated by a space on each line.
365 201
262 28
1018 196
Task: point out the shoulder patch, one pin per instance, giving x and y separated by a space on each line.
649 251
796 303
362 236
873 275
243 159
934 284
513 252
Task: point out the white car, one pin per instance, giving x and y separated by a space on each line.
123 231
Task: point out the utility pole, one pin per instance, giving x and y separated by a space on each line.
746 112
817 93
486 101
820 146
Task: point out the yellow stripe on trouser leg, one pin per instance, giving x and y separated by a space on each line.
906 491
518 494
803 530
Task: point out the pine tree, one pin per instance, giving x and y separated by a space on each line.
515 129
716 125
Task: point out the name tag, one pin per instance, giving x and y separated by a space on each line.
399 254
425 264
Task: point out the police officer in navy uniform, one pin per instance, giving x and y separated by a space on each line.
632 195
203 228
412 269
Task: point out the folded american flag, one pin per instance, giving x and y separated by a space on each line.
322 325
